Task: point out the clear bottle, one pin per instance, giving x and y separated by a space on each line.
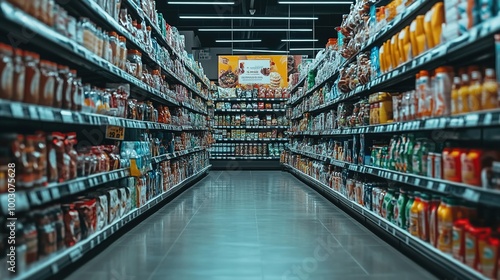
455 99
490 95
463 93
475 89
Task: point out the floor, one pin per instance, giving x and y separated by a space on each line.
250 225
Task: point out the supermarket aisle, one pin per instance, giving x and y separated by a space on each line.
250 225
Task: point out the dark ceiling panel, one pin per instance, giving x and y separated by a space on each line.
329 16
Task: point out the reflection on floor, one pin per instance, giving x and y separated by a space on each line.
241 225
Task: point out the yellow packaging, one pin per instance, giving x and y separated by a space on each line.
454 96
437 23
429 33
385 111
463 94
475 90
383 63
405 44
387 56
395 51
489 97
413 38
420 35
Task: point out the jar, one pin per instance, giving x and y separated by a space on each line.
6 72
123 53
78 96
47 83
58 87
135 58
30 236
19 76
67 77
70 143
32 82
107 53
40 155
114 46
98 47
89 37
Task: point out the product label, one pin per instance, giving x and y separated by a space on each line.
458 239
470 249
445 241
437 167
414 224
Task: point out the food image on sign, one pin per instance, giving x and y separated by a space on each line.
228 79
275 80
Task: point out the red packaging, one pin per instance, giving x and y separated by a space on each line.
476 167
472 236
72 226
31 238
260 105
63 159
452 164
489 247
459 239
262 93
47 236
69 145
87 212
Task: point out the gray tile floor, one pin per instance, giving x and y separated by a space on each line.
250 225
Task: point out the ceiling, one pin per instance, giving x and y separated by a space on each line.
329 17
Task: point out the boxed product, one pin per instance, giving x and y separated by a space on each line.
124 207
113 205
102 211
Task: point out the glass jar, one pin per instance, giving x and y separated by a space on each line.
47 83
123 53
6 72
32 82
89 38
114 45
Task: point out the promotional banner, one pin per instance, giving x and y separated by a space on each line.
262 70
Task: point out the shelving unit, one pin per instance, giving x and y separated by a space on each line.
91 128
49 267
453 268
233 142
476 128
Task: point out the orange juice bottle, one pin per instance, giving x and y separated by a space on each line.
475 89
489 96
414 228
433 220
446 218
423 215
463 94
454 95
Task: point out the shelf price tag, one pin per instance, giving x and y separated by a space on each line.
115 132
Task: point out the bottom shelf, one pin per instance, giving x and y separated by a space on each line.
52 265
450 267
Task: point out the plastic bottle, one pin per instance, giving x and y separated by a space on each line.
455 106
387 207
473 233
445 225
400 209
424 87
458 240
475 89
463 93
407 212
423 215
433 220
442 91
452 164
490 95
414 228
408 154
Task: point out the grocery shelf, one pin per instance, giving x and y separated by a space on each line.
196 75
250 99
466 192
471 43
249 127
194 109
465 121
252 140
35 113
242 157
15 20
194 128
177 154
251 110
28 199
456 269
299 84
50 266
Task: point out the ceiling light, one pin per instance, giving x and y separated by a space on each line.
199 3
260 51
238 41
306 49
254 29
315 2
248 17
299 40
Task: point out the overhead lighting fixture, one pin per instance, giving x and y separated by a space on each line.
306 49
238 41
315 2
255 29
299 40
199 3
259 51
248 17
